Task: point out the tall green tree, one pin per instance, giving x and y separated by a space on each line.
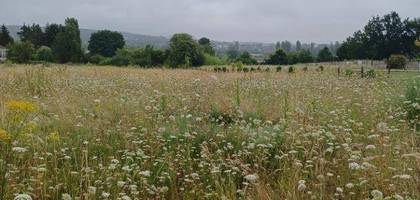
382 37
105 43
67 44
205 45
184 51
51 32
5 38
325 55
278 58
32 34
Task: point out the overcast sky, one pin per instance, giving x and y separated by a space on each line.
228 20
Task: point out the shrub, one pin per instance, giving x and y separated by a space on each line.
212 60
224 69
20 52
44 54
321 68
348 72
122 58
305 69
252 69
96 59
396 62
238 66
245 69
291 69
278 69
371 73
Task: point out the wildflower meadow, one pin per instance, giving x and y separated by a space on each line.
87 132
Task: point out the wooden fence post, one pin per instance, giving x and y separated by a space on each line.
362 72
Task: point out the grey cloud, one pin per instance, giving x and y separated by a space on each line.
243 20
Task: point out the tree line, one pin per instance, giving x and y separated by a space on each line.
381 37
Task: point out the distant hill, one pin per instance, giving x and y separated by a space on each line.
132 40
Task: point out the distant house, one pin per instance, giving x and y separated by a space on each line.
3 53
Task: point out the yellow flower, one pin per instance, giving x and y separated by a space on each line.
21 106
30 127
4 136
54 136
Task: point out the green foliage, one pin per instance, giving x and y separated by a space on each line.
105 43
291 69
148 57
5 38
305 56
51 32
32 34
396 62
325 55
380 38
238 66
246 59
278 69
321 68
206 47
20 52
292 58
121 58
349 72
96 59
371 73
278 58
184 51
45 54
212 60
67 44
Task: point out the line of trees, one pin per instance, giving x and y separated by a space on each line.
56 43
381 38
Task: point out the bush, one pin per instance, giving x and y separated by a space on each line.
371 73
245 69
278 69
212 60
122 58
291 69
21 52
348 72
321 68
396 62
44 54
96 59
305 69
238 66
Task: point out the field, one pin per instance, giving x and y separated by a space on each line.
85 132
